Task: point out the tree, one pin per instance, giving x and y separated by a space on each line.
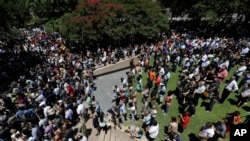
226 15
45 10
115 21
13 13
94 21
145 19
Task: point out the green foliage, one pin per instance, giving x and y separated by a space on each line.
145 18
113 21
50 8
12 13
211 12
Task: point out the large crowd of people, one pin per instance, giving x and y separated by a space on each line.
53 99
204 64
46 85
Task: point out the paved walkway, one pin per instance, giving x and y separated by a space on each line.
107 77
104 88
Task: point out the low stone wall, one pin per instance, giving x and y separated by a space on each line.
121 65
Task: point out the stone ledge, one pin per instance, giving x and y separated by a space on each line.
124 64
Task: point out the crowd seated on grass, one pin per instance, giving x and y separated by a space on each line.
53 99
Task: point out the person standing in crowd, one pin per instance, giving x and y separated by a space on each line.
168 101
191 108
232 86
207 132
173 125
102 124
147 118
243 96
162 92
220 130
215 97
166 77
152 131
199 92
157 83
233 118
151 76
161 71
222 73
245 79
132 108
132 64
184 120
176 63
240 70
123 112
115 114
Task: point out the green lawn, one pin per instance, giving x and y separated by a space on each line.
201 117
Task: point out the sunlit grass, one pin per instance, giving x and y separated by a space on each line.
201 116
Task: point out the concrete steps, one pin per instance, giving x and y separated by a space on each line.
118 135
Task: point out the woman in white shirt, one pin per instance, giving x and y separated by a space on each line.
232 86
240 70
152 131
102 124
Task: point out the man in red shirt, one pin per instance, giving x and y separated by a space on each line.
157 82
184 119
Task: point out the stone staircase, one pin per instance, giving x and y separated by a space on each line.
118 135
114 135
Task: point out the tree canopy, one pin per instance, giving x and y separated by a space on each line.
92 22
114 22
219 15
